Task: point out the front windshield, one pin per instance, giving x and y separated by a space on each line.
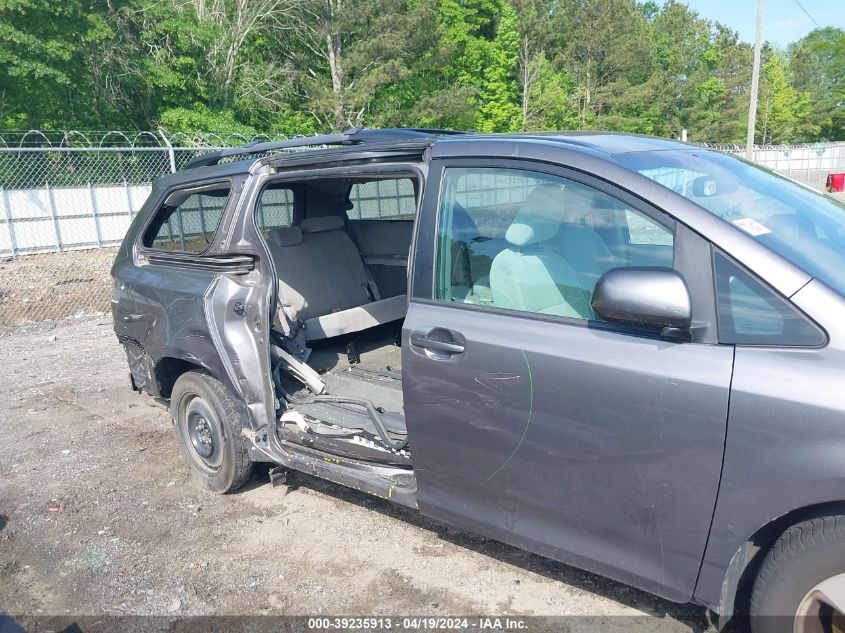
803 225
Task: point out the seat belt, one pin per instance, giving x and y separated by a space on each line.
371 283
375 295
292 330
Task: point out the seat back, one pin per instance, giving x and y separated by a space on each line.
320 269
530 275
586 252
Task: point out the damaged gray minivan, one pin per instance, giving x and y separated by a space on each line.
620 352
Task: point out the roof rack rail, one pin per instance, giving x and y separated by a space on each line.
354 136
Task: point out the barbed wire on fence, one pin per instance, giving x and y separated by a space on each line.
90 139
68 197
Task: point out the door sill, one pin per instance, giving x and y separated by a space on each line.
393 483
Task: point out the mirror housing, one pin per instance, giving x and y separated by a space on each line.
647 296
707 186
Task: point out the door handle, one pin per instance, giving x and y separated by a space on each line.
421 340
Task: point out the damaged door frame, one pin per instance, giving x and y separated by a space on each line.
406 159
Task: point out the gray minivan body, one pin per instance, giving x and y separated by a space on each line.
669 463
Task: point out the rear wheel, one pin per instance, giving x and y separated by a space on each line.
208 428
801 584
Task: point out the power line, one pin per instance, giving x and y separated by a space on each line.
808 14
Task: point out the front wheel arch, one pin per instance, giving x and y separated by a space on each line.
746 561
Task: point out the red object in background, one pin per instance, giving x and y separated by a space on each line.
836 182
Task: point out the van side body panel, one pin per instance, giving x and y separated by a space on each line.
785 447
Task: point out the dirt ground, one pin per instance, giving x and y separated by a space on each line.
98 516
54 285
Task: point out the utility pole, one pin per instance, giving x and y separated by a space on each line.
755 83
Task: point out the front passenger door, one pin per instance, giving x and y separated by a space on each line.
535 423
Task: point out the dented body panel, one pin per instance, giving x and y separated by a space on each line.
597 449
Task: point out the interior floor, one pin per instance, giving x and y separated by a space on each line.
376 347
376 378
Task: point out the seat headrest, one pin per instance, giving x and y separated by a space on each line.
539 218
322 223
286 235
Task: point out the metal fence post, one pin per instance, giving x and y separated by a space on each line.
808 166
128 200
96 215
170 152
55 215
202 214
7 212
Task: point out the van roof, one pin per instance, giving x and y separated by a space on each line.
609 143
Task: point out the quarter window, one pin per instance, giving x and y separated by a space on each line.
275 208
532 242
392 199
752 314
188 219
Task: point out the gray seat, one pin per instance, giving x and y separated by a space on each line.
323 283
531 275
586 252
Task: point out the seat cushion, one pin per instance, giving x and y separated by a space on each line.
538 281
320 272
337 279
356 319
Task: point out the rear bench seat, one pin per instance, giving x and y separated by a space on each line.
323 282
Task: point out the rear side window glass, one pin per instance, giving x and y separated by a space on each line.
392 199
187 221
752 314
275 208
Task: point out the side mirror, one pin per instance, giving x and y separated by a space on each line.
644 296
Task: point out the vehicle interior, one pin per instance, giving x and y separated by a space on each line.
340 248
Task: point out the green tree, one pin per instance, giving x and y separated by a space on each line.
498 97
783 109
817 65
351 53
606 47
547 90
305 66
43 76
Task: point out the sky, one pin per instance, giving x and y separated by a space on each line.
784 20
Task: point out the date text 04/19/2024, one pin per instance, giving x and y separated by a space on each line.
427 623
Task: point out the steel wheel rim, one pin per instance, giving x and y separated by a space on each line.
202 433
822 609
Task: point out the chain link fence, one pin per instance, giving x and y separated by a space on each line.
67 199
809 163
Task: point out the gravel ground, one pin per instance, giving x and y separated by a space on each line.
54 285
98 516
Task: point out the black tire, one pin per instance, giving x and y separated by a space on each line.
804 556
208 428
